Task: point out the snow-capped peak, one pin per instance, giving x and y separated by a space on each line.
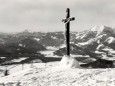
97 28
102 29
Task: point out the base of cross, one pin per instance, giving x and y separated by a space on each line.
69 61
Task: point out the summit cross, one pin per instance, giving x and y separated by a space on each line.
67 27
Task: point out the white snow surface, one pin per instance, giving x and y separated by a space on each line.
68 61
48 53
52 48
53 74
53 37
110 40
18 60
37 39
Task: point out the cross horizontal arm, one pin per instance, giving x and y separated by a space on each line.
68 20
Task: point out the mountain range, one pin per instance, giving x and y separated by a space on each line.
99 39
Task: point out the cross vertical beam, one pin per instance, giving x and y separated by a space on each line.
67 27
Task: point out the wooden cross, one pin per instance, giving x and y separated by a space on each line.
67 32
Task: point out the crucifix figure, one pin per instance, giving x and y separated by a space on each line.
67 27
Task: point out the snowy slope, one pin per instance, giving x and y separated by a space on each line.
55 75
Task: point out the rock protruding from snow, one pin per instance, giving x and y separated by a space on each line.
68 61
102 29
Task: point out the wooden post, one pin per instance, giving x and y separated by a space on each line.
67 26
6 72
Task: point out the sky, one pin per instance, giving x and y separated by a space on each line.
47 15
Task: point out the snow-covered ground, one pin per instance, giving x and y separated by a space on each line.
52 48
19 60
52 74
48 53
